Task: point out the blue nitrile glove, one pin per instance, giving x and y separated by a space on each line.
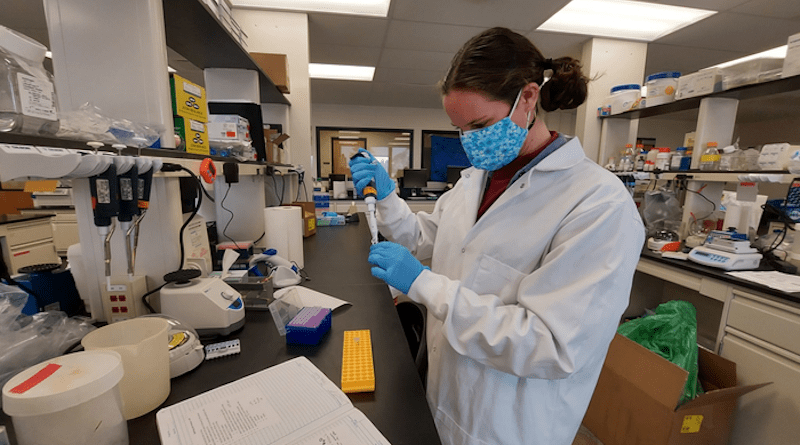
395 265
364 170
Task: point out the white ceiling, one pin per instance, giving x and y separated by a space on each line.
413 46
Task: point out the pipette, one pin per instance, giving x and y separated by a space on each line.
104 188
128 176
370 197
146 170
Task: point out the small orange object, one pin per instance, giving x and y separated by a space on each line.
672 247
358 373
207 170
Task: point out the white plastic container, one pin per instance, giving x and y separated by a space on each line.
624 98
143 344
663 158
70 399
661 87
28 101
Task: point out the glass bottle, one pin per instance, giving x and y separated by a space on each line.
628 158
640 158
709 160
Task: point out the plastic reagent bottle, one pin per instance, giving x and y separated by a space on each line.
628 158
710 158
27 92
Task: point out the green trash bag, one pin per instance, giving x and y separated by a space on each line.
671 333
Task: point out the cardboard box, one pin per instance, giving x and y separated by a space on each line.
699 83
309 217
272 140
276 66
188 99
193 133
228 127
636 399
12 201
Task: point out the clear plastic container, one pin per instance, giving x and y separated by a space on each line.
28 101
628 158
677 156
650 160
730 159
661 87
710 158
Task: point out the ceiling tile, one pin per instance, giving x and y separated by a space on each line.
686 60
711 5
426 60
421 36
516 14
344 55
771 8
401 95
340 92
746 33
408 76
336 29
554 45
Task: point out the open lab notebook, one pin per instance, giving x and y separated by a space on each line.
290 403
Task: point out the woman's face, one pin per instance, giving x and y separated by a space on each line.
470 110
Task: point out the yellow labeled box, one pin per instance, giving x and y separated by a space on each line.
188 99
194 135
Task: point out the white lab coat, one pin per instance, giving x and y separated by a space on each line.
523 304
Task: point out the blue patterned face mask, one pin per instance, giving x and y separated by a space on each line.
493 147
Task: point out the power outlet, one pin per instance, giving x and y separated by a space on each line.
123 299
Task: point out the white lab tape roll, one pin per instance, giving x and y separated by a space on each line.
283 231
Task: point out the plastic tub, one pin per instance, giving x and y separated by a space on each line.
143 344
624 98
661 87
27 91
70 399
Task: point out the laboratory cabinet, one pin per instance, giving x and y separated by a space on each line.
756 327
64 223
27 240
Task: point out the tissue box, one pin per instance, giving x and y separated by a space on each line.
228 127
330 220
699 83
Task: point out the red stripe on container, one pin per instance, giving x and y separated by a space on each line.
35 379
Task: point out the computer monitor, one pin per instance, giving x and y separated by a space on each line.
415 179
453 174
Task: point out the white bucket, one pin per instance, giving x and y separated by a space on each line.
143 344
624 98
661 87
70 399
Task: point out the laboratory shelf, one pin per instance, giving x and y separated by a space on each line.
175 156
742 93
194 32
773 176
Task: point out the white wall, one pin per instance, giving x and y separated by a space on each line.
286 33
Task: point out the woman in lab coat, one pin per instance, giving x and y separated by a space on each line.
532 253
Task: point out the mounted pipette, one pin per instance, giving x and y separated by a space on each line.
370 198
147 166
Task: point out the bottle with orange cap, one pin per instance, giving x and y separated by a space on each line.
710 158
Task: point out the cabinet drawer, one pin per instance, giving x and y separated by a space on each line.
769 321
29 232
768 415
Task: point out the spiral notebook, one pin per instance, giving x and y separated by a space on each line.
290 403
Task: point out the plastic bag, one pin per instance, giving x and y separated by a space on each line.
662 211
28 340
670 332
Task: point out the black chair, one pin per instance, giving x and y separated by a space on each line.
412 318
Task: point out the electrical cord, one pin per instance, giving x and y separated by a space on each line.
224 230
275 184
698 192
205 192
144 298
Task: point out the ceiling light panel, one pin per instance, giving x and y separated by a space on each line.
341 72
374 8
622 19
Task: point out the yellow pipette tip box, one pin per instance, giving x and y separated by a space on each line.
358 373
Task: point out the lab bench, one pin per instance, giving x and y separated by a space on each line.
416 205
755 326
336 262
